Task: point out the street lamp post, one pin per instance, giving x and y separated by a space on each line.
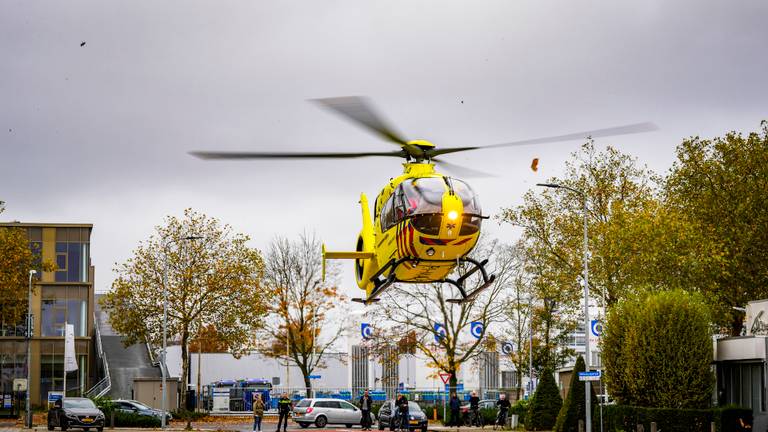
587 386
29 348
164 366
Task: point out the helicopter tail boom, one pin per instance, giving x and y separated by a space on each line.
343 255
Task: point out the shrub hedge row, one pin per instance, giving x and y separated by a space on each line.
626 418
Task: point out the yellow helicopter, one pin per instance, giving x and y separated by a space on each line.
424 223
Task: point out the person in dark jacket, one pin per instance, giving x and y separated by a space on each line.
283 410
504 406
455 407
365 406
474 410
402 413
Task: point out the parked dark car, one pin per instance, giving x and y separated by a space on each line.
138 408
75 412
416 417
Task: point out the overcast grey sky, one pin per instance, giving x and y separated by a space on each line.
99 133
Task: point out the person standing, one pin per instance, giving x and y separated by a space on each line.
258 412
402 413
365 406
455 406
474 409
283 411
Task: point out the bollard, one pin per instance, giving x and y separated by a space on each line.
712 427
640 428
653 426
581 425
112 420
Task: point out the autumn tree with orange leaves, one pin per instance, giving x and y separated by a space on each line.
301 317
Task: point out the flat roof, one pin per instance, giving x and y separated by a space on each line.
45 224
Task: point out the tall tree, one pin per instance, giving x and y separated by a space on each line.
301 321
17 258
421 307
214 280
616 189
518 313
719 185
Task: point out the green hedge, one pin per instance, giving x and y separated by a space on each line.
619 417
123 419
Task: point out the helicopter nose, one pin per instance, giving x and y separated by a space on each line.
452 210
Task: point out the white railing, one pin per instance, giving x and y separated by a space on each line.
105 384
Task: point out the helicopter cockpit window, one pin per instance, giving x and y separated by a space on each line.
422 195
387 214
468 197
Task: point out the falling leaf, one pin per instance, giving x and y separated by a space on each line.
535 164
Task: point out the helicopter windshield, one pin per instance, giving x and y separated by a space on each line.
468 197
422 195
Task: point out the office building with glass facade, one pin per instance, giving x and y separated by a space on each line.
64 295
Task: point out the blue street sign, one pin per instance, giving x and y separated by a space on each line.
439 332
476 329
589 376
314 377
366 330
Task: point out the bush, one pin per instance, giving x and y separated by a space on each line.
545 404
124 419
657 351
620 417
574 407
521 409
189 415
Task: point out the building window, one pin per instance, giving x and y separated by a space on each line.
72 254
66 304
52 375
741 384
11 366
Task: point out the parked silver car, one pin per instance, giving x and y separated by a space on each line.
321 412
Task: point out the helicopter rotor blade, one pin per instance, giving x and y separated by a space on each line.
276 155
359 110
461 171
596 133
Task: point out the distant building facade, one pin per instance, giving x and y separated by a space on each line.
61 296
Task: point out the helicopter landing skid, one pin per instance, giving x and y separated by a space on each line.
459 283
379 285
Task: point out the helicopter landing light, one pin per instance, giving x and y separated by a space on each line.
453 214
431 251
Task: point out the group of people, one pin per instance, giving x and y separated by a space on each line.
474 410
284 407
365 403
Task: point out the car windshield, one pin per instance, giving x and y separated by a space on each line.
413 406
78 403
303 403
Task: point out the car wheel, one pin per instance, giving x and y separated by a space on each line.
304 425
321 421
348 426
86 429
100 429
